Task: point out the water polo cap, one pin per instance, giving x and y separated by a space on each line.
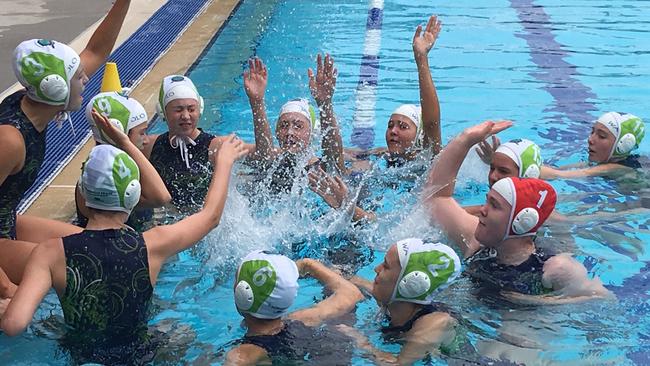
425 269
177 87
124 112
532 202
302 106
110 180
414 113
526 154
45 69
628 129
266 285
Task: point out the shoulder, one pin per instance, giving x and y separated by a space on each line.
245 354
438 320
560 270
11 138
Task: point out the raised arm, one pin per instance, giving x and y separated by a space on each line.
343 299
165 241
154 192
255 79
422 44
322 86
36 282
437 194
101 43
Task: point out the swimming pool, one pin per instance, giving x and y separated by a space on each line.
551 69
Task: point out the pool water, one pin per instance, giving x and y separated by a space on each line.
550 66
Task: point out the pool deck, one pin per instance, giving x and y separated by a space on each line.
57 201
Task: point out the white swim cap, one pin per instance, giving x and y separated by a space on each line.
266 285
628 129
526 154
414 113
124 112
177 87
302 106
110 180
45 69
426 269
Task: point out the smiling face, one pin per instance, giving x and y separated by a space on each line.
600 142
493 219
386 279
77 86
293 132
182 116
400 134
502 167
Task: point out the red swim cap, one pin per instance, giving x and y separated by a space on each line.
532 202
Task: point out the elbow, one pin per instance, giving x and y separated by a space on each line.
11 327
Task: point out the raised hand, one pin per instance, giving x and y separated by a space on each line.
423 42
231 150
322 84
114 133
255 79
485 151
332 189
480 132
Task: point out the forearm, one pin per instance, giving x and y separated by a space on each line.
332 142
334 282
154 191
442 177
215 200
361 214
430 105
262 129
103 39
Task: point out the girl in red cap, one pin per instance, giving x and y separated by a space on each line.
499 244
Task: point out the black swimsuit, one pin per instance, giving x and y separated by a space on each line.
297 343
187 187
15 186
107 294
525 278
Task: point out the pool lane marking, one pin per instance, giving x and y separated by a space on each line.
363 120
571 96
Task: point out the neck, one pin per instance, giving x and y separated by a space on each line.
39 114
401 312
515 251
195 133
103 221
262 326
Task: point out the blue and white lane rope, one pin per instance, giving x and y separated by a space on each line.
363 122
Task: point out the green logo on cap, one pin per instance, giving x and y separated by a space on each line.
113 109
124 172
38 65
437 265
261 277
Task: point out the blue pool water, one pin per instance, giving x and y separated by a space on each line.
551 67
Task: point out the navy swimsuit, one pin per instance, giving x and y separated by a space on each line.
187 187
15 186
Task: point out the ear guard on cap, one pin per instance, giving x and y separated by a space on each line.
532 171
525 220
132 195
244 296
54 87
626 144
